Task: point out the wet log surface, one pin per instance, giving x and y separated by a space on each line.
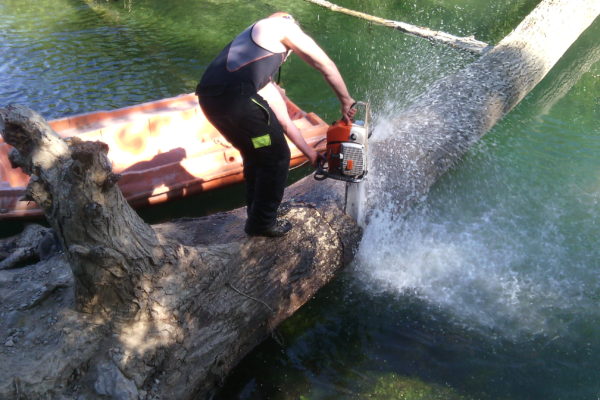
438 128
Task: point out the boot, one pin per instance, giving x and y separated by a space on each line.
280 228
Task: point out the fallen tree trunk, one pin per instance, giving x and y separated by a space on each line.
560 82
161 312
166 311
436 130
469 44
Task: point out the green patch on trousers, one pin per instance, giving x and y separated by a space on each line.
261 141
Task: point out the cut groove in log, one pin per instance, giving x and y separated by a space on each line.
469 44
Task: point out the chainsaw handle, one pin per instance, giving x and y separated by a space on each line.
365 106
321 160
348 120
367 110
355 105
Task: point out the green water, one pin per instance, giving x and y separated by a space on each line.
487 290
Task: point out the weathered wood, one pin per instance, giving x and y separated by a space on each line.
107 243
469 44
166 312
34 244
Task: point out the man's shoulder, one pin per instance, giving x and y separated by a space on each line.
275 24
270 32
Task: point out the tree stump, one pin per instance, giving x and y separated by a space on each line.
161 312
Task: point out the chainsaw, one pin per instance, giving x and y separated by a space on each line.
345 157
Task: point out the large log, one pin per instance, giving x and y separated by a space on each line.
435 131
469 44
157 312
166 311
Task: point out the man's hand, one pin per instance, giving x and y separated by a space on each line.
293 38
312 156
348 110
321 160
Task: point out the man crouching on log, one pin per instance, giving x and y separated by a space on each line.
238 96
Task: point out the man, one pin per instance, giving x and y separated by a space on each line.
238 96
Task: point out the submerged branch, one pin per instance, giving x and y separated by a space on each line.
469 44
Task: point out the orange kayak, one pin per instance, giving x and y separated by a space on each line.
164 149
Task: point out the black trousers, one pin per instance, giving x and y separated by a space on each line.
251 126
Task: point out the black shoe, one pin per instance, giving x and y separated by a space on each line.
283 209
280 228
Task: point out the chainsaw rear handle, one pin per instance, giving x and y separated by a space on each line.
321 171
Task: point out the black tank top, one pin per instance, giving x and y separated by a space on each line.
241 64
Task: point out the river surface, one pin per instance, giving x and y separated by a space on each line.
488 289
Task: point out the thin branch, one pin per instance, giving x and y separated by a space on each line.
469 44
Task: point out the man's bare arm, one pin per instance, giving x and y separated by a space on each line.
307 49
272 95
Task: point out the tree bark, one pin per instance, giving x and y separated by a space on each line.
107 243
560 82
469 44
434 132
166 311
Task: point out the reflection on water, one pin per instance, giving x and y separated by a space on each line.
67 57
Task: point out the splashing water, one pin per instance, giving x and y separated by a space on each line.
482 246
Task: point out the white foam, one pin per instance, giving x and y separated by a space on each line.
496 262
